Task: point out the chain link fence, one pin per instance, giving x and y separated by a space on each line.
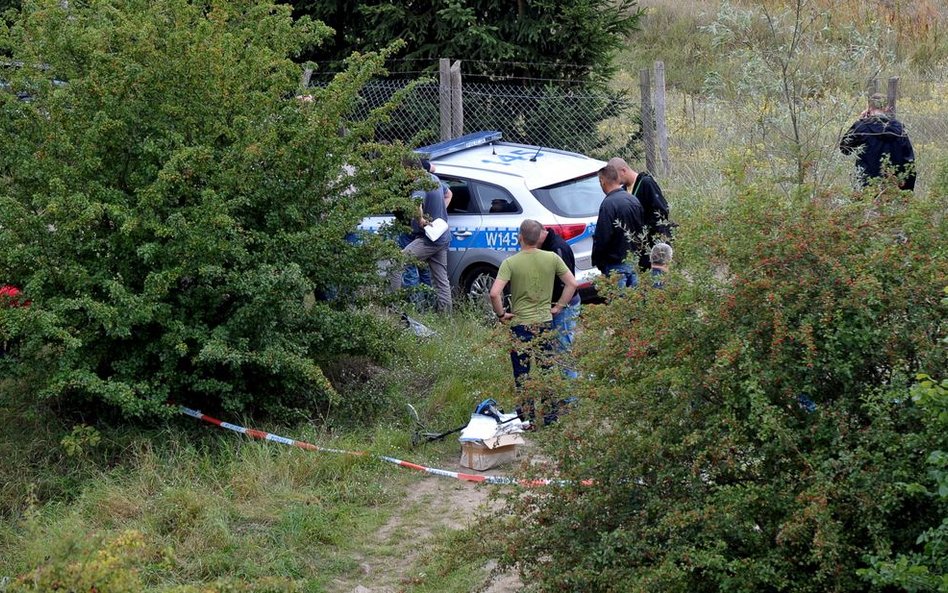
586 121
597 123
923 108
605 123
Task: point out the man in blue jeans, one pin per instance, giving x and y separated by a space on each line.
619 229
564 322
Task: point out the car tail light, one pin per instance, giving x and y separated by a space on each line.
568 231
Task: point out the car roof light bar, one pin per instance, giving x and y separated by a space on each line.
447 147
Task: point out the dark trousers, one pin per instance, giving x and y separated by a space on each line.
521 355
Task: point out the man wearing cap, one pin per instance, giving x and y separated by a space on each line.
881 144
434 252
415 275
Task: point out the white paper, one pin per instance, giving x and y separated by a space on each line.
482 427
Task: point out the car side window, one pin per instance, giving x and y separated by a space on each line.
493 199
461 200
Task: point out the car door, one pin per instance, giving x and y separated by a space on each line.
495 240
464 224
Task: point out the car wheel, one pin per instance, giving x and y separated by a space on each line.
477 282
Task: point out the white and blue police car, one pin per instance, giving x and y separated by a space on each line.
495 186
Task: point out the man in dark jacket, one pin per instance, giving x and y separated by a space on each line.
654 206
880 141
619 229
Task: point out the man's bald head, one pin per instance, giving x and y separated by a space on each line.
627 174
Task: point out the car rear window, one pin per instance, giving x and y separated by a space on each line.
576 198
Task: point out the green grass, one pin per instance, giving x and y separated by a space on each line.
212 506
455 561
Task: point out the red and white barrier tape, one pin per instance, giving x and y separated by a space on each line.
266 436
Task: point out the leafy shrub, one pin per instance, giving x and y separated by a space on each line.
751 427
115 566
925 569
170 210
108 568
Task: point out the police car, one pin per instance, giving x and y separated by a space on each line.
495 186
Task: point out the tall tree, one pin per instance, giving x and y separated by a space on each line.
572 40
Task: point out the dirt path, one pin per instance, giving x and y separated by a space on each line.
431 505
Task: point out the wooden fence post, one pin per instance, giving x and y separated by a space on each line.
457 101
304 80
892 94
444 96
661 127
648 126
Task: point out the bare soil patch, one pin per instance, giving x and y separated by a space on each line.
431 505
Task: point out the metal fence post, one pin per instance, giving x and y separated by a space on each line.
444 96
457 101
648 126
661 127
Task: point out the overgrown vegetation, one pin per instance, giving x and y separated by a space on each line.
904 37
218 514
171 210
752 427
774 420
191 508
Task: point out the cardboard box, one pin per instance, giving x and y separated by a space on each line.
488 453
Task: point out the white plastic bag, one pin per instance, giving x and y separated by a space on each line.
436 228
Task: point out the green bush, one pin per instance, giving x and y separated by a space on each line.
926 567
170 209
751 427
108 567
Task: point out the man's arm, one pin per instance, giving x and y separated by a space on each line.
851 140
497 299
566 254
448 194
659 203
569 289
603 234
652 194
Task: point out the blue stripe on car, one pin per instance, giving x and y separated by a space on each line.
496 238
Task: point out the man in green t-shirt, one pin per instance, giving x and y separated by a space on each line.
530 274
